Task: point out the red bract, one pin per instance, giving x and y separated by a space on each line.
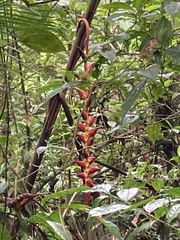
82 164
91 159
89 141
84 115
83 94
91 120
82 127
88 102
82 137
89 182
93 170
82 175
86 152
92 131
90 66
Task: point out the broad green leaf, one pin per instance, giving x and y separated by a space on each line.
50 86
126 24
173 9
143 228
173 191
116 78
163 31
151 72
154 132
157 184
114 16
155 204
160 212
174 53
173 213
60 230
118 5
109 54
121 36
75 206
4 233
63 193
178 151
113 229
105 188
40 217
138 4
127 194
132 96
41 40
3 186
99 211
61 89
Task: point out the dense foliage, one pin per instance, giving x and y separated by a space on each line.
135 102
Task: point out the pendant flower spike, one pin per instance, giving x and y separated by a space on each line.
86 131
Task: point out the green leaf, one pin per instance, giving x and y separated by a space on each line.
174 53
50 86
3 186
140 230
99 211
163 31
173 191
75 206
157 184
178 151
127 194
60 230
118 5
113 229
132 96
104 188
109 54
173 9
41 40
121 36
160 212
40 217
151 206
115 16
151 72
154 132
138 4
61 89
63 193
173 213
4 233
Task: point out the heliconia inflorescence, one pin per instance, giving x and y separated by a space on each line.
86 134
